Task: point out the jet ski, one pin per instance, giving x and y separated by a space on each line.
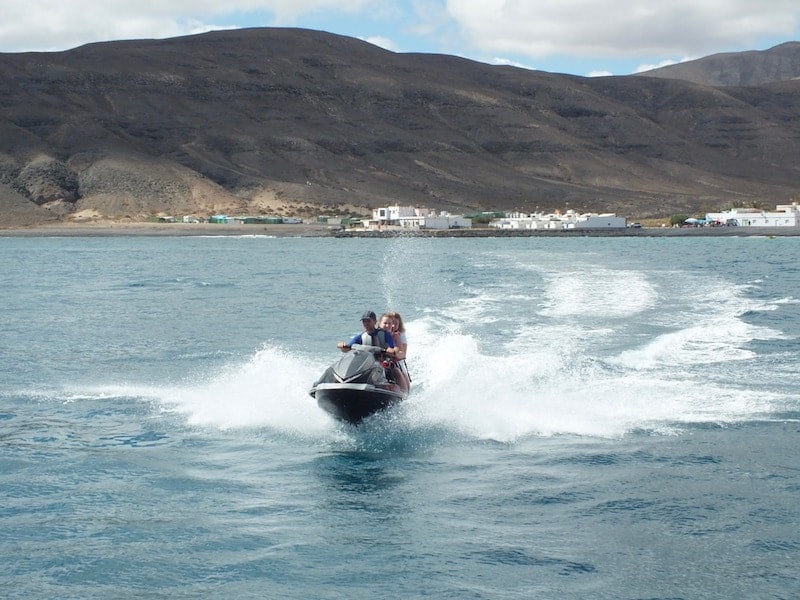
356 386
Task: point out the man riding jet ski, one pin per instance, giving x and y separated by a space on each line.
366 379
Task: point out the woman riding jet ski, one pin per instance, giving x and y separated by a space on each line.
366 379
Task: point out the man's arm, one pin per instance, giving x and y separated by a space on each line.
345 346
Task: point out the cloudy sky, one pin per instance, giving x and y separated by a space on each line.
583 37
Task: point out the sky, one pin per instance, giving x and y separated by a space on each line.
580 37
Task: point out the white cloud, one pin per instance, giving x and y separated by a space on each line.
510 63
586 28
60 24
664 63
383 42
521 32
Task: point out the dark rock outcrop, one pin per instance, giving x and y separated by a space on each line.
45 179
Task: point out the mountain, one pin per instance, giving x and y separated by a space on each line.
268 120
752 68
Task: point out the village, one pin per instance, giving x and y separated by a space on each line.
409 218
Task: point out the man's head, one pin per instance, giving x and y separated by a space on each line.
368 320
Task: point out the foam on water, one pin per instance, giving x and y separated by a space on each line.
507 397
512 357
605 293
709 343
554 387
268 390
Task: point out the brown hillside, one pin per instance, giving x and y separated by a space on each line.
249 120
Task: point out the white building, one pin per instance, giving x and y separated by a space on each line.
408 217
784 215
446 221
391 214
557 221
604 221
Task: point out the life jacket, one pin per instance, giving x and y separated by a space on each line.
377 338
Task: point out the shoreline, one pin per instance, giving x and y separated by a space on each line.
573 233
169 230
324 230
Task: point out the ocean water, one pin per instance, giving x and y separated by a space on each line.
591 418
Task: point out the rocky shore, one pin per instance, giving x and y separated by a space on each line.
322 230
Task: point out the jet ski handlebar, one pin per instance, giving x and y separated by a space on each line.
364 348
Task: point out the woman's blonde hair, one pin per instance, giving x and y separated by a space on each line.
396 315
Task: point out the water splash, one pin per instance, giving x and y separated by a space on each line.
271 389
594 352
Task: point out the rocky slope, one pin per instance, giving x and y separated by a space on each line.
752 68
271 120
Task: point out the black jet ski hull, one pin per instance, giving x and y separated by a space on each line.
353 402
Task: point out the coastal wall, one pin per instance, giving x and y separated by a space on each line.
562 233
322 230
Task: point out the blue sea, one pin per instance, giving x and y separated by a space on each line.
590 418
